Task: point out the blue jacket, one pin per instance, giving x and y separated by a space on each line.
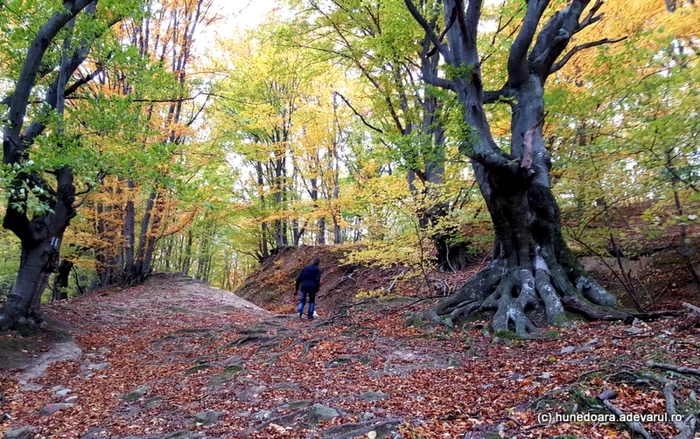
309 279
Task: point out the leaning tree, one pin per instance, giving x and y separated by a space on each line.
41 200
533 276
41 235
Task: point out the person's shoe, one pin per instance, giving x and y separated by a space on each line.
301 316
311 318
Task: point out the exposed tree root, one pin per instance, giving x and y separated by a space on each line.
515 292
692 308
673 368
634 426
14 321
523 297
580 307
686 427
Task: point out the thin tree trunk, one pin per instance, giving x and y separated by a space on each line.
60 283
129 229
168 253
188 254
152 237
264 230
99 254
141 264
685 249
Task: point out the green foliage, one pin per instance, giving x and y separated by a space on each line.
317 120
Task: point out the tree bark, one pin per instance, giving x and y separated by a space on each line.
532 268
141 266
41 242
186 262
129 228
40 236
60 283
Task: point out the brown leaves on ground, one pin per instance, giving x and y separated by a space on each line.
196 349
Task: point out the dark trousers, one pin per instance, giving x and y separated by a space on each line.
302 301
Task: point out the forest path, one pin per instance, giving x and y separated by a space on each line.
176 359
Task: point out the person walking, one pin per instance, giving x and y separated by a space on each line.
308 282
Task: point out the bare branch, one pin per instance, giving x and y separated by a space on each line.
82 81
491 96
357 113
449 25
437 81
155 101
559 64
591 17
517 58
429 30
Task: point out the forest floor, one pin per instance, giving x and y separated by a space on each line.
176 359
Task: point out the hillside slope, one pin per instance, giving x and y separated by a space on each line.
272 285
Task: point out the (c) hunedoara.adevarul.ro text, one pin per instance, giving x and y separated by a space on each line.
550 418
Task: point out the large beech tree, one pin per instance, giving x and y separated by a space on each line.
40 234
42 200
533 275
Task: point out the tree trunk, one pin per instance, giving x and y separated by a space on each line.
41 243
151 239
36 265
532 269
129 228
142 261
100 258
60 283
168 253
452 249
186 262
337 233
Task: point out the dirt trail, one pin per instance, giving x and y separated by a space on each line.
176 359
65 351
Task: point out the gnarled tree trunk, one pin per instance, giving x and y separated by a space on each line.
533 273
40 235
41 242
532 268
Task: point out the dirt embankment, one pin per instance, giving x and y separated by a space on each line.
660 281
272 284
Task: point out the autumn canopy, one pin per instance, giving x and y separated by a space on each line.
525 164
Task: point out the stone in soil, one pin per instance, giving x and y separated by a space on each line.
319 412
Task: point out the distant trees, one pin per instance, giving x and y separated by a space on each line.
277 112
381 43
140 207
405 127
